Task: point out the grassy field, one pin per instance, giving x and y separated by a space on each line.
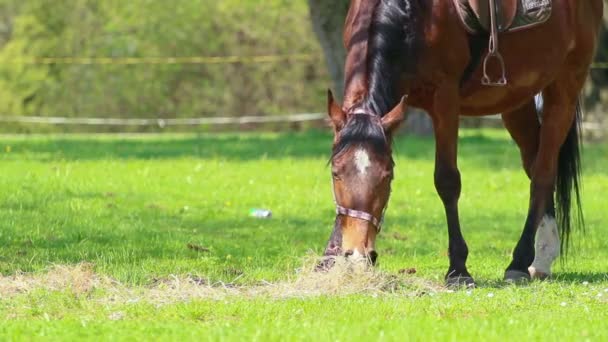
148 237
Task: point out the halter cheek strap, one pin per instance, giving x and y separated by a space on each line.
358 214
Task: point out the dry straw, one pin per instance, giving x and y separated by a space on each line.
345 278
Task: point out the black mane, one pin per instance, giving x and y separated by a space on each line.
396 38
361 130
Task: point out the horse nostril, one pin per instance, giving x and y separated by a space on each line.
348 253
373 255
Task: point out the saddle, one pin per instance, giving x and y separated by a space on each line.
498 16
511 15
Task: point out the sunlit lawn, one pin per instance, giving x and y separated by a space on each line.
143 208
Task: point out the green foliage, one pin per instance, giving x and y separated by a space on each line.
143 28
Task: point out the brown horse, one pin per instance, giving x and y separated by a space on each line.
419 52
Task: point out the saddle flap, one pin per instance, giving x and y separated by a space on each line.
505 12
511 15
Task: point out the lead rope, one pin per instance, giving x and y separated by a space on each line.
493 52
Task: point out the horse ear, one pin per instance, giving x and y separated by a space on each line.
335 112
395 117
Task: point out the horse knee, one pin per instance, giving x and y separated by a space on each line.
448 185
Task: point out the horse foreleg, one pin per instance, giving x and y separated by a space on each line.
333 248
524 126
447 180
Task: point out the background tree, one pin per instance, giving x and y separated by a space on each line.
188 28
596 92
144 29
328 18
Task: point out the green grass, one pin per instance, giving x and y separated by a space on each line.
131 205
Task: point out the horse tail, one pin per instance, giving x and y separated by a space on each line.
568 183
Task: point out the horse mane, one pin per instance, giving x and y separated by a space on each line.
360 130
395 41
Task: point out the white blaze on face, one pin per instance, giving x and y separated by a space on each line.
547 247
362 161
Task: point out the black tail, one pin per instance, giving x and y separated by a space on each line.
568 183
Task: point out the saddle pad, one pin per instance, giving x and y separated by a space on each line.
529 13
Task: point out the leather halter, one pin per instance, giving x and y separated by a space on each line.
359 214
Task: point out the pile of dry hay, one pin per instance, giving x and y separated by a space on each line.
345 278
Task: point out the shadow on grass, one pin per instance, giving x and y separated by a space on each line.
225 146
580 277
158 234
231 146
155 233
565 278
492 151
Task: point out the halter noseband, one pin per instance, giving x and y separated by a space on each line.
359 214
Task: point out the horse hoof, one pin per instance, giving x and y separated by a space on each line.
517 277
536 274
459 282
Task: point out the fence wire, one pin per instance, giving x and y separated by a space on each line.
54 120
179 121
202 60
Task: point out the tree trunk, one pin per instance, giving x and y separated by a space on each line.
596 92
328 18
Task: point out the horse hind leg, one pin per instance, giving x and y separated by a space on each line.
557 152
524 126
547 248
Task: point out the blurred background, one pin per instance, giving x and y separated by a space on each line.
187 65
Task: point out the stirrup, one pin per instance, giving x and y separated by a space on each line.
486 80
493 53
